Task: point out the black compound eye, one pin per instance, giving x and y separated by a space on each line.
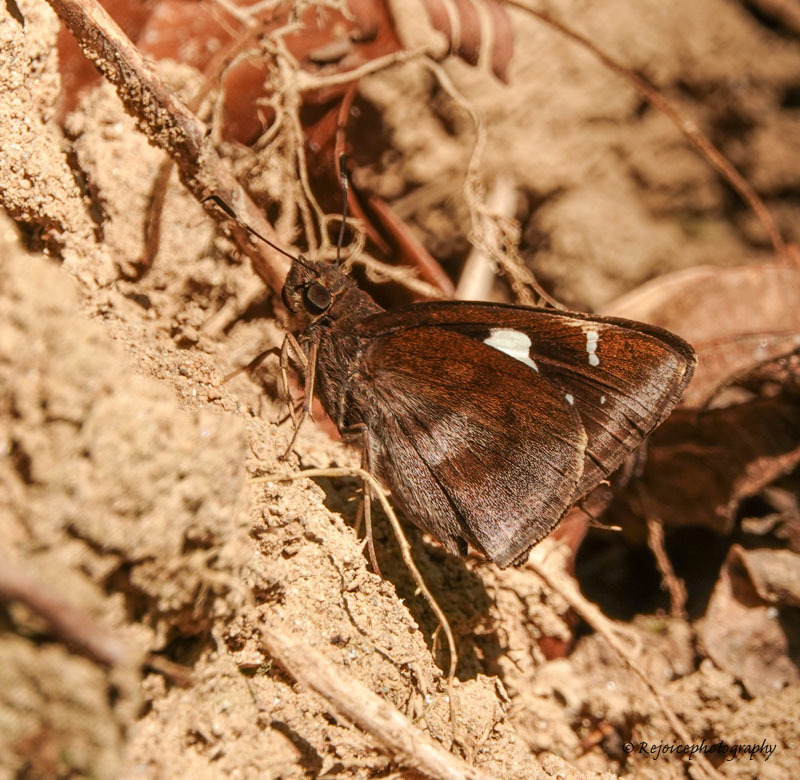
317 298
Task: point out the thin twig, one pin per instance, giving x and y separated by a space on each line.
687 126
169 125
478 274
405 547
562 583
308 81
674 585
75 628
362 706
289 69
487 233
178 673
249 14
378 271
212 74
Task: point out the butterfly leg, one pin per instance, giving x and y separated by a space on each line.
359 435
252 364
308 364
293 407
285 358
290 345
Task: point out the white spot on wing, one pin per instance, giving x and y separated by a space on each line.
570 399
514 343
602 400
592 339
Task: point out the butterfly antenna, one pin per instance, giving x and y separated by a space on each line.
235 217
345 188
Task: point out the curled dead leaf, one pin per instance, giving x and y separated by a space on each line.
477 31
735 318
779 515
744 323
743 630
774 574
702 464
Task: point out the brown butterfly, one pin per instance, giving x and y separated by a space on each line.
486 421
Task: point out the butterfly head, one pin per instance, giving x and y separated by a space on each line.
312 287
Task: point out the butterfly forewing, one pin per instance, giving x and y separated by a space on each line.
622 377
497 469
624 380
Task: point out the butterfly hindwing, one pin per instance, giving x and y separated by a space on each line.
495 469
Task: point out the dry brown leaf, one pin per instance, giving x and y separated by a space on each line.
779 515
474 30
779 373
735 318
702 464
746 634
774 574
